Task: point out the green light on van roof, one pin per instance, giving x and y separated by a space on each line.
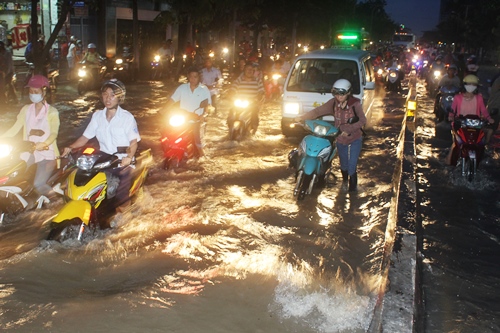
349 37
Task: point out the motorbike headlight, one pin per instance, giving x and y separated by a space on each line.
241 103
320 130
472 122
157 58
82 72
86 162
5 150
119 61
380 71
225 50
449 99
211 55
437 73
276 76
177 120
393 74
291 108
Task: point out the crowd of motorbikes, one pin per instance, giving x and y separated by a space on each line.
467 132
88 188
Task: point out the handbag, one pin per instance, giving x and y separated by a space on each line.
355 119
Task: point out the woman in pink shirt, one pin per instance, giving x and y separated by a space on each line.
469 101
466 103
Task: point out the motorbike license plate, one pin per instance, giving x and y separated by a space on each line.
472 154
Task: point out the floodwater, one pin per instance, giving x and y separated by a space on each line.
460 234
221 245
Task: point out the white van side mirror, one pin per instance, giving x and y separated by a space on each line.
369 86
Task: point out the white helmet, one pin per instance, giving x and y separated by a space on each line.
341 87
91 46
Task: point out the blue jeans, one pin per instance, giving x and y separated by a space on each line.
348 156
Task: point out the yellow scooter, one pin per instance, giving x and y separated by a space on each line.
89 192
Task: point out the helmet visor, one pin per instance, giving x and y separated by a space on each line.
339 92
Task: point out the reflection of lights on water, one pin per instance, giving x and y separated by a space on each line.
6 290
246 200
326 217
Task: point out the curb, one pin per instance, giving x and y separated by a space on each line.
399 303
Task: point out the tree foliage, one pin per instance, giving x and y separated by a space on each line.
314 20
471 24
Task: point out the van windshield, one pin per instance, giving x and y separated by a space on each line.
318 75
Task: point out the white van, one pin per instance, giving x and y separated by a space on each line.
310 80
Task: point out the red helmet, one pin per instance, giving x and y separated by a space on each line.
38 81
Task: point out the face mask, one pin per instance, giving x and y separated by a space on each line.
470 88
36 98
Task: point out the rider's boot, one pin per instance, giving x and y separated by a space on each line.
345 178
353 182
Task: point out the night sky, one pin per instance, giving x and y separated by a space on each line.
418 15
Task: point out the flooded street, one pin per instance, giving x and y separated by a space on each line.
221 245
460 234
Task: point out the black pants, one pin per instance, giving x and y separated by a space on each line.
122 193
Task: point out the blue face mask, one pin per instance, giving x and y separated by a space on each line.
36 98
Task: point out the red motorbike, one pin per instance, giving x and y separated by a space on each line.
273 86
177 137
469 143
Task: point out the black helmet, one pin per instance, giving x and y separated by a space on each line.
118 89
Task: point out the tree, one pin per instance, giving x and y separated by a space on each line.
42 56
374 18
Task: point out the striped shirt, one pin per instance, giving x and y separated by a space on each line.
248 89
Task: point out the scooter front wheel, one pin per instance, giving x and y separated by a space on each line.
70 229
81 88
171 163
470 166
305 186
236 132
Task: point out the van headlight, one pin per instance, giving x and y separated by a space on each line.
291 108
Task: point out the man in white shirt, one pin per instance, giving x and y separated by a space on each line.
210 76
166 54
192 97
116 131
71 57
